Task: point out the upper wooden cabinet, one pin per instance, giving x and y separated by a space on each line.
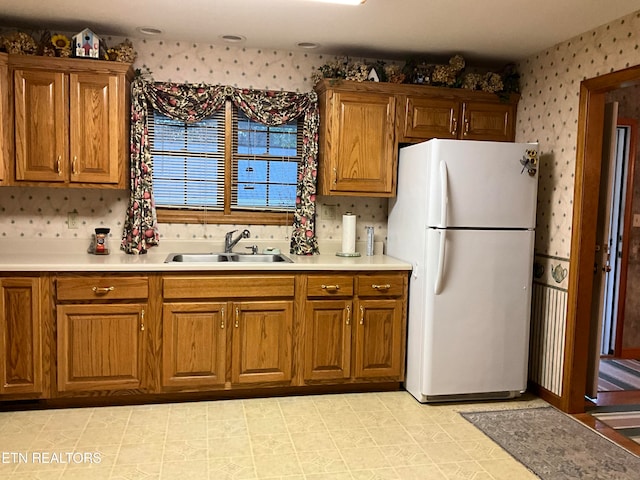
357 147
71 121
457 117
362 124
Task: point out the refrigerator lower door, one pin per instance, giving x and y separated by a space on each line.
476 314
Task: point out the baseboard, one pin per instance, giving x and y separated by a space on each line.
630 353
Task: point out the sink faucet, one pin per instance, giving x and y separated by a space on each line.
229 241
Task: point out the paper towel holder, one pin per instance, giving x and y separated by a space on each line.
348 250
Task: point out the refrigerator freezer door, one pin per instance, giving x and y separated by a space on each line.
476 328
479 185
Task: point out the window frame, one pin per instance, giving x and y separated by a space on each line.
226 216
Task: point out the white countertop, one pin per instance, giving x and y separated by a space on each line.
65 255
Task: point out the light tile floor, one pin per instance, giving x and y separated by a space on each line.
349 436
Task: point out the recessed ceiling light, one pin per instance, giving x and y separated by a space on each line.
149 30
308 45
233 38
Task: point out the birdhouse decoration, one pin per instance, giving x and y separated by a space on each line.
86 44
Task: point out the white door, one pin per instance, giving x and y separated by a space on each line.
477 316
607 177
481 184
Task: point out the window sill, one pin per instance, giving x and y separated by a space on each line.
166 215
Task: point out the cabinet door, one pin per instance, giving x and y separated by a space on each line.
41 126
488 121
193 344
431 118
100 347
20 336
364 156
378 339
327 339
262 341
93 117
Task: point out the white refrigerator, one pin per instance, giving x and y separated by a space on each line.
464 217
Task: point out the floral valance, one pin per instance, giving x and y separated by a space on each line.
192 103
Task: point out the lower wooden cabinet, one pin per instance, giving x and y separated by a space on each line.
194 344
359 337
100 333
378 338
262 341
21 337
327 339
225 331
100 347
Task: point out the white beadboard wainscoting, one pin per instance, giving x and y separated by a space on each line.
548 322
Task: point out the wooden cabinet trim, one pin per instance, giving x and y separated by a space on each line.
330 286
232 286
102 288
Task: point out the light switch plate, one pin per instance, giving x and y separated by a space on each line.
72 219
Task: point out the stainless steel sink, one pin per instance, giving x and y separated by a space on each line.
226 257
259 258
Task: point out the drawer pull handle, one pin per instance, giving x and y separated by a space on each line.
384 286
222 318
102 290
59 165
142 320
454 130
331 288
348 314
361 315
237 324
74 165
466 127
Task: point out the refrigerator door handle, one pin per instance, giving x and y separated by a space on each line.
444 200
437 288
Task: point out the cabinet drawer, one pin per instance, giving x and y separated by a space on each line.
228 286
96 288
329 286
380 285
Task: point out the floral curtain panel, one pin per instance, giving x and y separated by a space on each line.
192 103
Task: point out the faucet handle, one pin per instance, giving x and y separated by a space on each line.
254 249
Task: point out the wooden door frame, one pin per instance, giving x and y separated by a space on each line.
583 232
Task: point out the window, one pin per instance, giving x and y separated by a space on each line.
224 169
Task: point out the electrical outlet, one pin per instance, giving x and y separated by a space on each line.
72 220
329 212
636 220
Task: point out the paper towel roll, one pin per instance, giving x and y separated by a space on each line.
348 233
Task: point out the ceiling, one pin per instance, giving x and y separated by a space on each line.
481 30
